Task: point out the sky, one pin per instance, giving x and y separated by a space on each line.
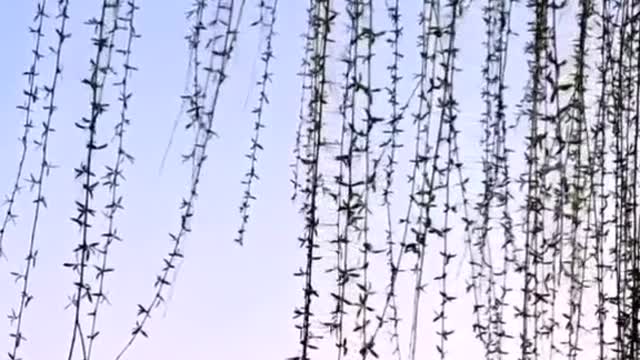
228 302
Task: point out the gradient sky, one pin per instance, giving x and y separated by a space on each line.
228 302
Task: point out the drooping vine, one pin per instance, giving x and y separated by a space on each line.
115 172
495 195
203 105
31 97
266 21
562 281
322 20
344 195
104 26
304 93
17 316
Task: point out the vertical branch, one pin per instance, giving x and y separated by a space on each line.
489 167
393 11
115 172
535 96
345 191
370 120
31 97
323 17
228 16
628 65
496 193
448 115
38 180
266 21
503 178
103 42
428 41
599 158
555 151
306 75
580 186
621 257
634 348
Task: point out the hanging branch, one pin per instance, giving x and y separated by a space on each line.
115 173
634 135
503 179
492 12
621 97
579 187
580 224
425 89
393 11
367 89
306 88
543 263
553 156
446 133
323 17
31 94
266 21
428 41
341 241
26 297
346 208
103 41
532 225
228 19
631 226
600 195
496 183
629 236
448 115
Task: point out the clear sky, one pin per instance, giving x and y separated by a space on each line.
228 302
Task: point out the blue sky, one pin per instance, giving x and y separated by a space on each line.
228 302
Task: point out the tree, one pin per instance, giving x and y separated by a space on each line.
548 241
